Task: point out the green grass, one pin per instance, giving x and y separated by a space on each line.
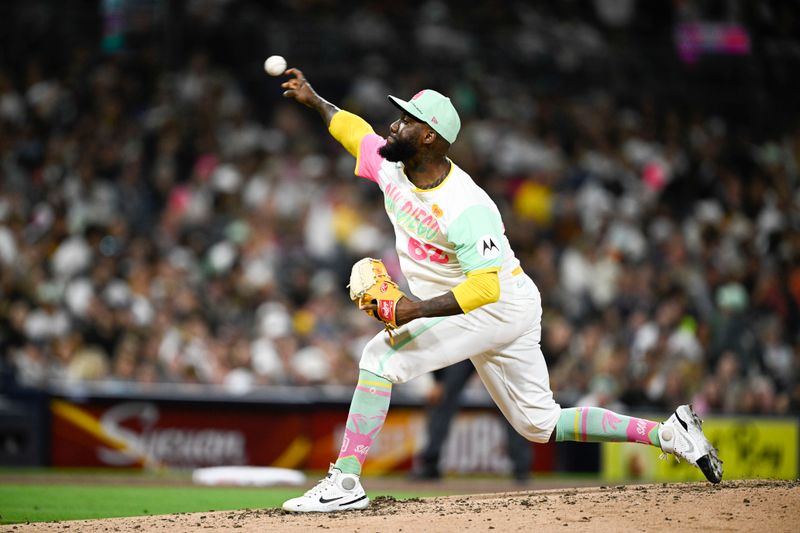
41 503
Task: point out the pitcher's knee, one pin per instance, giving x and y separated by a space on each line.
534 434
370 365
540 437
372 360
540 428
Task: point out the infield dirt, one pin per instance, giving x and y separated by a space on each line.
772 506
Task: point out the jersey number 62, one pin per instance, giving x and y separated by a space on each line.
423 250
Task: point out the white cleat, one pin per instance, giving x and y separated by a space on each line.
682 436
335 492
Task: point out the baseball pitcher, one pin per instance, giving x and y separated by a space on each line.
471 301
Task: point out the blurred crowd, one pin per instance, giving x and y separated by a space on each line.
167 217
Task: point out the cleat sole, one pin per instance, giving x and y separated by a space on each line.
706 465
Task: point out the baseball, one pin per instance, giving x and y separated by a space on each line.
275 65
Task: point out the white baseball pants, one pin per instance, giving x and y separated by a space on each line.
502 341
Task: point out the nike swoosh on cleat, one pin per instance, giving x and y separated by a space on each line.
325 500
684 424
353 501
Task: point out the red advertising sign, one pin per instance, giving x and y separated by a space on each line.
188 435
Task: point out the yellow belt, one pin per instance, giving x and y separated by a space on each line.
517 271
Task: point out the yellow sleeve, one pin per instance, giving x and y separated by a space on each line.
480 288
349 129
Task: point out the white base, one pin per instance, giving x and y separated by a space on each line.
249 476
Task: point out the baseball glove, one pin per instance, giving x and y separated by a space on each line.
370 283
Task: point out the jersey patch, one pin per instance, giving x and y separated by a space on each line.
488 247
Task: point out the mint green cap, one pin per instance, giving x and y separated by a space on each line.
434 109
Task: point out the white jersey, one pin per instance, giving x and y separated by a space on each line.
440 233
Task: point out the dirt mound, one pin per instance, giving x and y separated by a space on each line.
772 506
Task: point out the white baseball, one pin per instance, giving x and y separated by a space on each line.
275 65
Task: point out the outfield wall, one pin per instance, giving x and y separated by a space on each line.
292 428
182 427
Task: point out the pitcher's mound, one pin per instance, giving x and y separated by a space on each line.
772 506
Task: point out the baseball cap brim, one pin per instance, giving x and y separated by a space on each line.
409 108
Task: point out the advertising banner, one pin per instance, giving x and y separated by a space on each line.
143 433
749 448
154 434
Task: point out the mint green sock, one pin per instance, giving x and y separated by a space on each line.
595 424
368 411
